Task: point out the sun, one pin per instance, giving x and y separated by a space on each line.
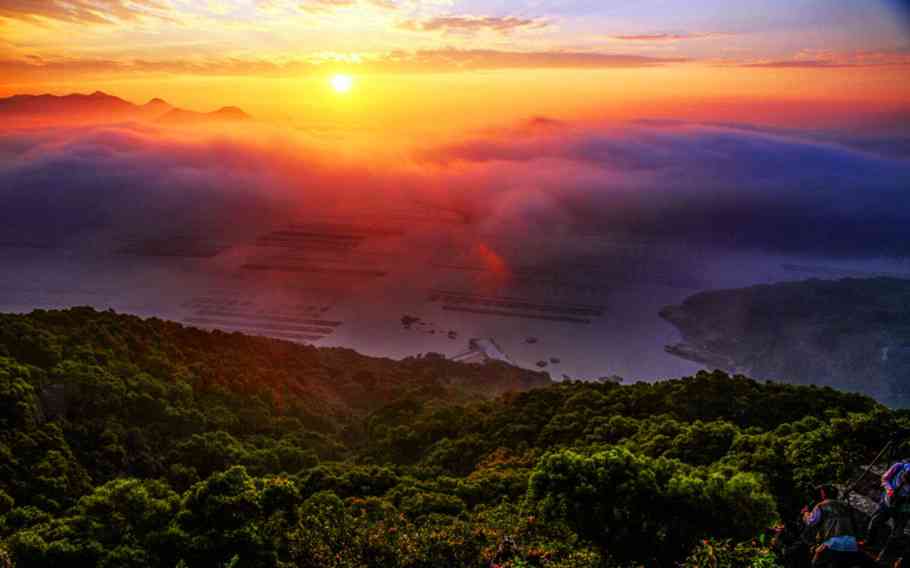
342 83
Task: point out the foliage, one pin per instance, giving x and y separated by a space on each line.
638 508
726 554
129 442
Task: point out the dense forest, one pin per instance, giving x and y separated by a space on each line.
852 333
132 443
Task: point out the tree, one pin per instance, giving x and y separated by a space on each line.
637 509
325 536
19 407
220 518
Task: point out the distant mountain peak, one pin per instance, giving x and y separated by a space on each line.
100 106
231 111
101 96
157 107
222 115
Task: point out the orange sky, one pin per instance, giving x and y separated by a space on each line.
423 67
442 102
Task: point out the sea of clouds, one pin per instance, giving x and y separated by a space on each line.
736 185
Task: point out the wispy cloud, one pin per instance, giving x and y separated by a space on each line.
472 59
85 11
796 64
821 59
318 6
473 24
433 60
668 37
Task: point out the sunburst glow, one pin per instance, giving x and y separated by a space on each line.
342 83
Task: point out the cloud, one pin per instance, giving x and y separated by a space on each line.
318 6
797 64
61 184
824 59
420 61
661 180
85 11
476 59
473 24
668 37
697 183
49 69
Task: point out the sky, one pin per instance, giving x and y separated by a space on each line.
806 61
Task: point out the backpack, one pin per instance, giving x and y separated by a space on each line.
897 477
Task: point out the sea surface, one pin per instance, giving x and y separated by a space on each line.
577 304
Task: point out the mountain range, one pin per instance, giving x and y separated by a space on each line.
100 106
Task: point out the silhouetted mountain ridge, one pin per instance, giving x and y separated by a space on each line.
179 116
103 107
53 104
159 105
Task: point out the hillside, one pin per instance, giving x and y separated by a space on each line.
851 334
130 442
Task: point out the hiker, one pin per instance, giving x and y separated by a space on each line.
894 505
832 522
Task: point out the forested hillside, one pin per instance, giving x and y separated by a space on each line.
851 334
129 442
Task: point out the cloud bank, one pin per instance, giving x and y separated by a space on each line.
61 185
415 61
738 186
452 24
718 185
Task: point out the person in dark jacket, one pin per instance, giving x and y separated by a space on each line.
831 521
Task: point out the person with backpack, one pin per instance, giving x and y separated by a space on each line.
831 521
894 505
